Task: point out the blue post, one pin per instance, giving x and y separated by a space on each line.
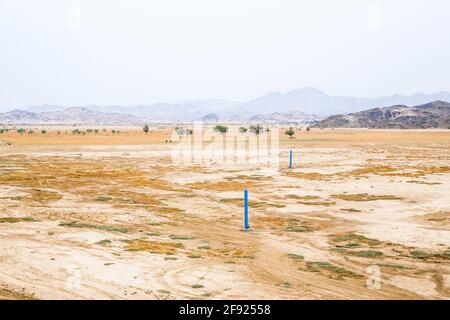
290 159
245 209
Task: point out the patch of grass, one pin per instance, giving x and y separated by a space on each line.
424 255
15 220
204 247
423 182
353 237
103 242
298 226
286 285
445 254
368 253
74 224
163 291
296 197
194 256
197 286
364 197
421 254
321 266
103 198
296 256
175 237
170 258
351 210
353 245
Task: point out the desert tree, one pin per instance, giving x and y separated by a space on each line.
180 131
290 132
308 129
256 129
221 128
243 129
146 129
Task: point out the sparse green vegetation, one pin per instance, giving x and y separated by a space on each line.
320 266
175 237
243 129
296 256
364 197
74 224
424 255
353 237
103 242
368 253
103 198
298 226
15 220
197 286
351 210
221 128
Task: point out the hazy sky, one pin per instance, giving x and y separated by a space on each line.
83 52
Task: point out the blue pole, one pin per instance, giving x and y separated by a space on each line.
290 159
245 209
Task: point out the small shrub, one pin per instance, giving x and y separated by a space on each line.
103 198
221 129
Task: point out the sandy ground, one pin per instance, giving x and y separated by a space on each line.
111 216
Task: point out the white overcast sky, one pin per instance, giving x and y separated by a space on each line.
82 52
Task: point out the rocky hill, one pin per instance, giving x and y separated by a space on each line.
75 115
431 115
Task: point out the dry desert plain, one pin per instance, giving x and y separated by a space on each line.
111 216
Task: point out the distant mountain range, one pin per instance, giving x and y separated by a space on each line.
306 104
309 101
431 115
314 101
75 115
